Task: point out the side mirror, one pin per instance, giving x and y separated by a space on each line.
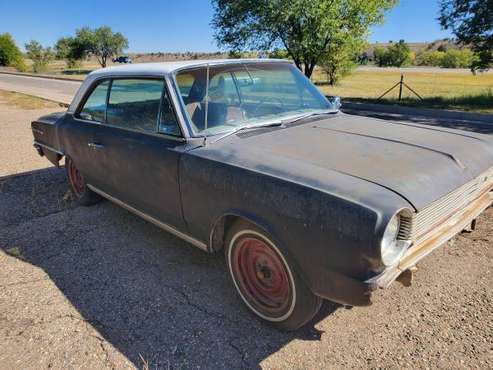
86 116
335 101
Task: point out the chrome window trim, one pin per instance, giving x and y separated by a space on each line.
162 225
177 107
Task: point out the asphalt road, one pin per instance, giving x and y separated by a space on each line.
56 90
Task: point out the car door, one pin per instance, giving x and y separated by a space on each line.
139 147
78 131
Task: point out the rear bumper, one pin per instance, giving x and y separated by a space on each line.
52 154
438 237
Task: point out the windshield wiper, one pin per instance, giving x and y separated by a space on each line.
280 123
249 127
308 115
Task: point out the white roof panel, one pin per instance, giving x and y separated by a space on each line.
169 67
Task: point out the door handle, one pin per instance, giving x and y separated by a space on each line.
95 145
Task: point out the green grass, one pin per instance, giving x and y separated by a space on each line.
441 89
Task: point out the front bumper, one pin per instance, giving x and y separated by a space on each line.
436 238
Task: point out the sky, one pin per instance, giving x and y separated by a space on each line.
180 25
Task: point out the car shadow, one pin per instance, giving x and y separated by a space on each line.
149 294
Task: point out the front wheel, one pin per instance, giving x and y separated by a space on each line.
82 194
267 282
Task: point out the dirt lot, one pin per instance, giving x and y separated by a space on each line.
98 287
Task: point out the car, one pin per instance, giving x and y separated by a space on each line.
249 159
122 59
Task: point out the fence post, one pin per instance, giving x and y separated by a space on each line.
400 87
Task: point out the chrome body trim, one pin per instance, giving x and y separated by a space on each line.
37 143
151 219
434 239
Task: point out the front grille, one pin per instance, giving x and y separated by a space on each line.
415 226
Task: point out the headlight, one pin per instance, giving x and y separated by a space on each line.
390 248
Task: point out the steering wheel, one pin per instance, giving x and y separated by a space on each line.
263 102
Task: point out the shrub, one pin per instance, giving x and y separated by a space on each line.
20 65
40 56
455 58
430 58
452 58
278 54
10 54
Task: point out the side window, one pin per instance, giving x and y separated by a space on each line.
134 104
95 106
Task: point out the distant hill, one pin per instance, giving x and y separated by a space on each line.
418 47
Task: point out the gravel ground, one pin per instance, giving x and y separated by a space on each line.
98 287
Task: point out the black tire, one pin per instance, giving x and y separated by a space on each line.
271 288
81 193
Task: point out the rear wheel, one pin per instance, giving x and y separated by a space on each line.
266 280
82 194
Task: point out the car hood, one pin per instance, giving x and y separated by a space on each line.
420 163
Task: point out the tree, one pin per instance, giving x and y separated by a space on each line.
396 55
399 54
340 59
10 55
71 49
101 42
380 56
304 28
39 55
471 21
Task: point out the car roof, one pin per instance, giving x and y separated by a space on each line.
153 69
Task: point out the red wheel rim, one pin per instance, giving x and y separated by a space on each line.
76 179
262 277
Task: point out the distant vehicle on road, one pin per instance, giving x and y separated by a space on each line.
249 158
122 59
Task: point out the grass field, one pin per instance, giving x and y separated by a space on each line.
440 89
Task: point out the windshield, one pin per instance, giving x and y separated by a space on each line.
223 98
